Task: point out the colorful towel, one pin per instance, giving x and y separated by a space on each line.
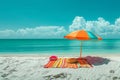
63 63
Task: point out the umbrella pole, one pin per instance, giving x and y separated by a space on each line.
81 50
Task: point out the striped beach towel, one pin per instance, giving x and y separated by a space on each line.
63 63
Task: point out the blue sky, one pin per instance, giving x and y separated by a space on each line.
19 14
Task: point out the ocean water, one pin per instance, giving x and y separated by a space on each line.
58 46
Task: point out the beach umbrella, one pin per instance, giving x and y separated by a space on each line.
82 35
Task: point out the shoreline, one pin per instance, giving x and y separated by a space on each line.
115 57
46 55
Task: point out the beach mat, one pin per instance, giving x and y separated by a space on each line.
63 63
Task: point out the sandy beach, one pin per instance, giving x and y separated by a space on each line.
32 68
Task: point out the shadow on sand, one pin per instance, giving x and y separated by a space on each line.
96 61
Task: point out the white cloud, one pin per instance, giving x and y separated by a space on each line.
37 32
100 27
78 23
117 22
6 33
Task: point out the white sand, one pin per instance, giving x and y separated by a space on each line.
31 68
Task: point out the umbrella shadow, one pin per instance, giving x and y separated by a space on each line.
96 61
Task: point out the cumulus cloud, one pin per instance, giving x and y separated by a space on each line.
37 32
99 26
78 23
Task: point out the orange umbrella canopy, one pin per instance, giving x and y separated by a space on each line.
82 35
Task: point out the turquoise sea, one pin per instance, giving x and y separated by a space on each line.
58 46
